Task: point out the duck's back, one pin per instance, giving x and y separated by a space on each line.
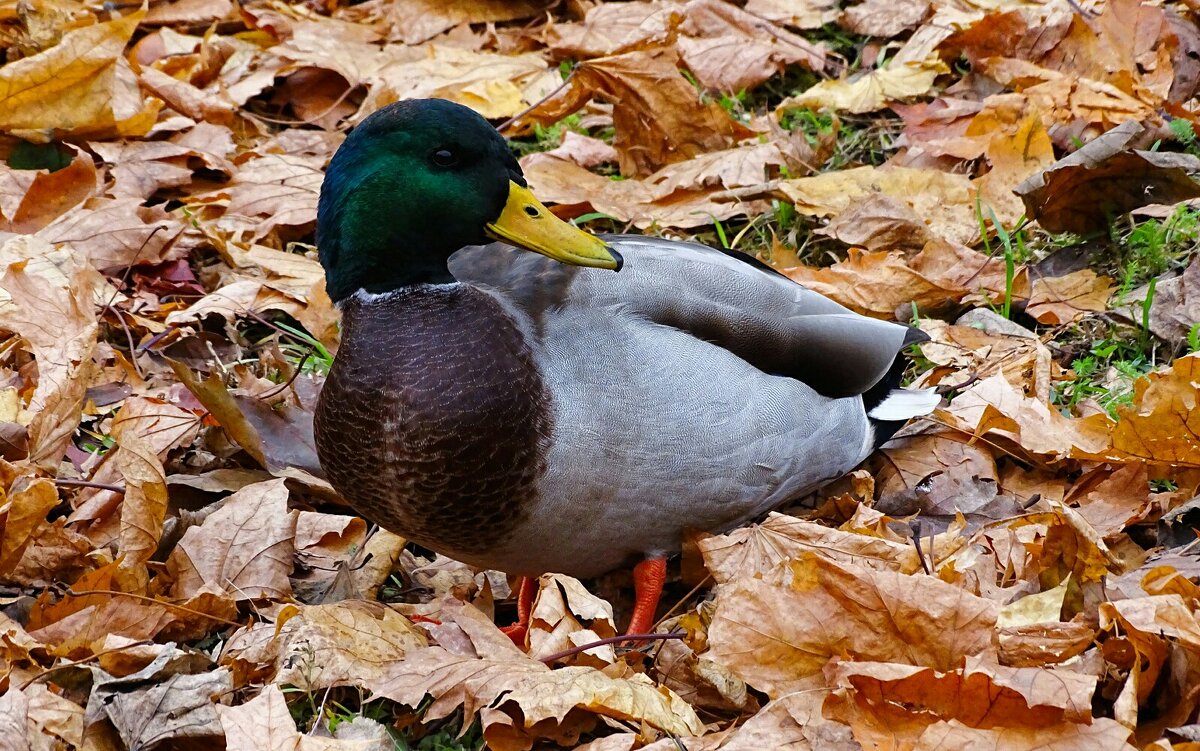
657 428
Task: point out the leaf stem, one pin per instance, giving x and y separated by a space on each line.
610 640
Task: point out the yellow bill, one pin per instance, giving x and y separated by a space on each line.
526 223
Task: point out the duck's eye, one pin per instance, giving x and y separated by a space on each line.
445 157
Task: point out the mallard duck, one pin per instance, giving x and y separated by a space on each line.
577 408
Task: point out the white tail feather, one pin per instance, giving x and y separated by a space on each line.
901 404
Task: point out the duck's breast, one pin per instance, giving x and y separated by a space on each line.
434 421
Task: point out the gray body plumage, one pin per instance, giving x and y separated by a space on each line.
685 394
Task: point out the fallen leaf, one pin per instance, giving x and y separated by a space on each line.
181 707
1064 299
243 549
81 87
1163 425
979 695
663 121
418 20
347 643
753 551
539 694
26 510
805 14
778 631
48 302
943 200
144 508
873 90
880 18
38 197
1081 192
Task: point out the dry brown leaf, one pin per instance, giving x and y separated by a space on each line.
993 406
115 234
980 695
662 119
566 615
142 168
347 643
873 90
964 350
800 14
1063 299
1174 307
48 303
144 508
731 50
36 719
753 551
690 193
25 513
164 426
81 87
33 199
884 18
879 222
550 701
1017 147
791 723
584 151
778 632
1102 733
944 201
415 21
725 48
1163 425
243 549
179 708
265 724
883 283
1081 192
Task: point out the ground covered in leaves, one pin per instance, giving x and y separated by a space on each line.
1016 572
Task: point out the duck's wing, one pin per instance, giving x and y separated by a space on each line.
743 306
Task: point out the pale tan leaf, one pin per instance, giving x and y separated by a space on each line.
944 201
114 234
872 91
347 643
179 708
243 549
144 508
801 14
50 306
415 21
753 551
778 631
539 694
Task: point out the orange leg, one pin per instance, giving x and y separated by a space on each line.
648 579
526 592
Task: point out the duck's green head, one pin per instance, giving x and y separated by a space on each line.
416 181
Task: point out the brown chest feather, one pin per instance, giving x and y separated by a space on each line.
434 421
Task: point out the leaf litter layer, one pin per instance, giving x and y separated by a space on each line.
1018 571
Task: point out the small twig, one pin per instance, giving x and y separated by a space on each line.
164 603
76 663
611 640
295 374
517 117
68 483
684 599
916 540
